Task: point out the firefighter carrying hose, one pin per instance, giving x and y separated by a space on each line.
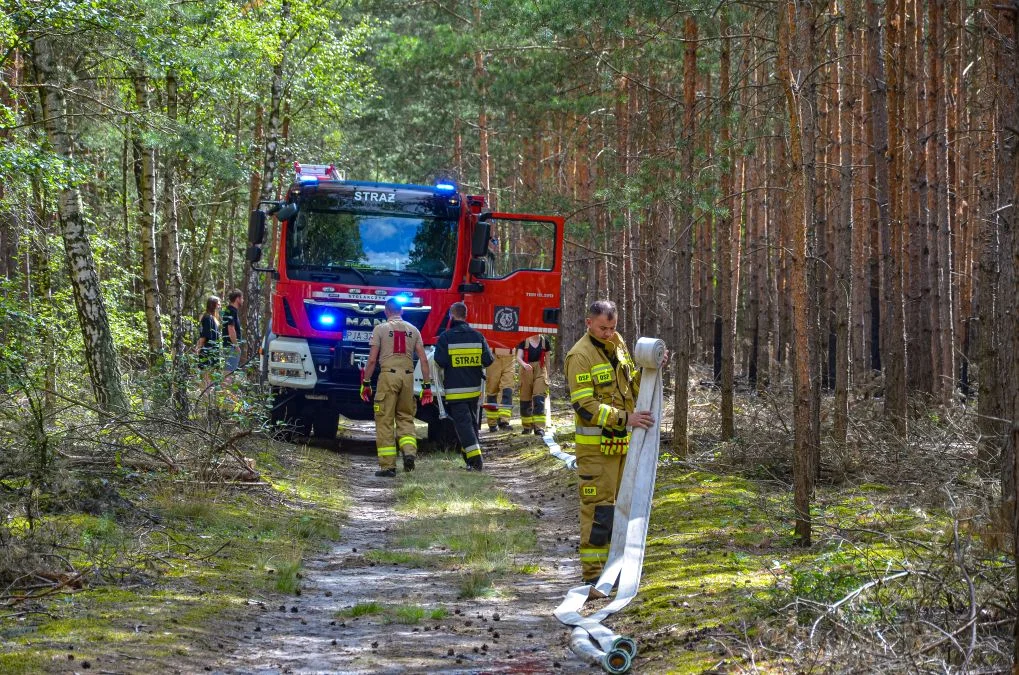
499 379
463 355
532 353
603 384
393 345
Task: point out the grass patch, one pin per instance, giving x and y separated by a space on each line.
411 559
233 545
402 614
462 520
362 609
288 576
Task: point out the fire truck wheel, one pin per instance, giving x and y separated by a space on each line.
324 424
441 432
289 417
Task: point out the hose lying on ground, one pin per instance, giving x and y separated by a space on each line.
591 640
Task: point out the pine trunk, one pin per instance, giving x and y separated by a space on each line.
795 20
682 309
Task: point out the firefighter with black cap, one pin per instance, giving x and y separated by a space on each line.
463 355
393 346
603 384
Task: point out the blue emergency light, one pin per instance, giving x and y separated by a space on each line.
402 299
327 319
445 187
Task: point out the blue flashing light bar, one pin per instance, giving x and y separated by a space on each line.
327 319
402 299
445 187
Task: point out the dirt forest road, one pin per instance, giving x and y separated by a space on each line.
512 631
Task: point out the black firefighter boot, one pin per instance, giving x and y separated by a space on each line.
475 463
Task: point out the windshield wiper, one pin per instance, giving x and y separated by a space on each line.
337 268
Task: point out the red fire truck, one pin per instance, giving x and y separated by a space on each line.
344 247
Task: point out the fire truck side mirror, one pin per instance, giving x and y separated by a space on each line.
287 212
254 253
482 233
478 267
256 227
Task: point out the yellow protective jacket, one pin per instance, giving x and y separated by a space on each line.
603 385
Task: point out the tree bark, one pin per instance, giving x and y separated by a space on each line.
175 291
145 180
843 258
887 157
725 247
100 352
682 308
795 21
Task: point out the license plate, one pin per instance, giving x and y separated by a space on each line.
357 335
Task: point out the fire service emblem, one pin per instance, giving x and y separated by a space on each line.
507 319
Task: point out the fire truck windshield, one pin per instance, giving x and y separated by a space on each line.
385 249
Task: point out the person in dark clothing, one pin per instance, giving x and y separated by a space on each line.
232 330
208 347
463 354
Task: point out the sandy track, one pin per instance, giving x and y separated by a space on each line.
512 633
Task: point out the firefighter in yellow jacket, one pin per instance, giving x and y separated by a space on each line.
393 345
603 384
499 381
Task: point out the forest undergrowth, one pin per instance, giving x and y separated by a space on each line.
112 524
908 570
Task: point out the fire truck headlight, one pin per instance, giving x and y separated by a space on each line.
284 357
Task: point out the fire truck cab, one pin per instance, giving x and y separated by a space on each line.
342 248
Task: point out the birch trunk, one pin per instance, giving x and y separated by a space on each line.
145 180
100 352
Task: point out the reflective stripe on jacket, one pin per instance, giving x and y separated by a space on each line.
603 384
463 355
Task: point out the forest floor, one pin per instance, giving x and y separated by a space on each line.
322 567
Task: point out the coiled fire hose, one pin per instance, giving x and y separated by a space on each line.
591 640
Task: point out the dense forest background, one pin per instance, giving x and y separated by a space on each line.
810 200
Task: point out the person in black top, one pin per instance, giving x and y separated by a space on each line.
208 347
232 330
531 355
463 354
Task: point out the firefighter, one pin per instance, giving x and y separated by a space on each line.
531 354
463 355
603 385
393 345
499 379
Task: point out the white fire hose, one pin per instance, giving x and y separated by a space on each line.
591 640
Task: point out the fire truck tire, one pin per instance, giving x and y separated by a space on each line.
441 432
289 416
324 423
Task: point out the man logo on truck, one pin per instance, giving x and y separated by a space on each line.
353 321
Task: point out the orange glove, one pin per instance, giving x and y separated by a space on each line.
426 393
366 388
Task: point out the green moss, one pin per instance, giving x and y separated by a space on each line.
222 541
27 663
